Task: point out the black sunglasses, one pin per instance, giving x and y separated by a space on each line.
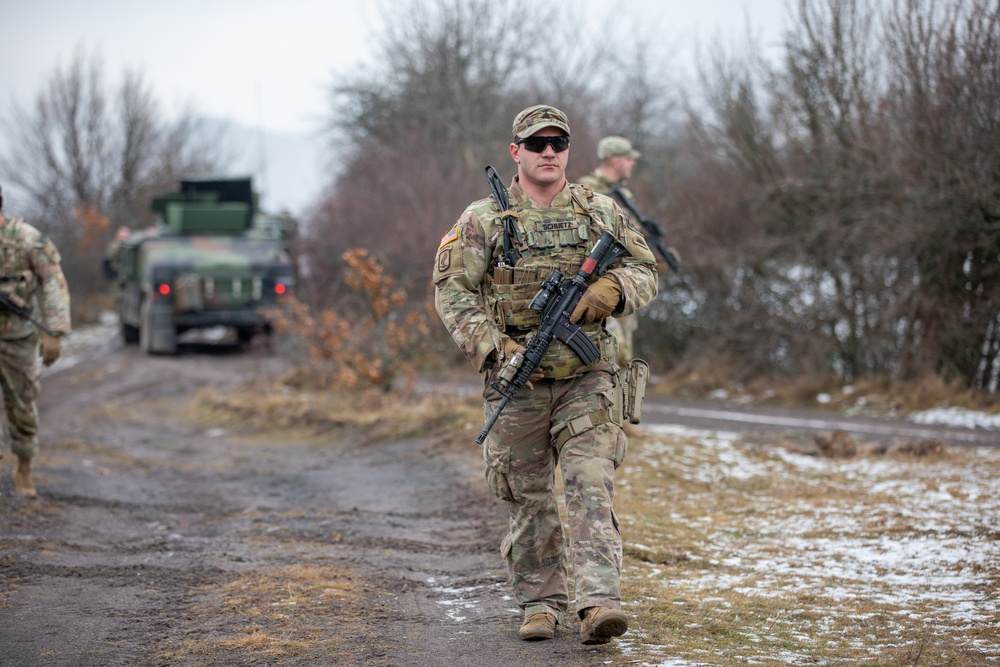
538 144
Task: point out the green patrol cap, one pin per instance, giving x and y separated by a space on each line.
534 118
610 147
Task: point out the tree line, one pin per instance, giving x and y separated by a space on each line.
861 227
837 207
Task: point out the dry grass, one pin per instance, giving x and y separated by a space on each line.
378 416
739 554
870 395
57 452
282 612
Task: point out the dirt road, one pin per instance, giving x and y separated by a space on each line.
157 540
162 539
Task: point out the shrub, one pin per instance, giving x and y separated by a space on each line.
366 341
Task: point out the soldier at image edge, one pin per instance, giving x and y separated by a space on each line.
28 338
567 413
617 160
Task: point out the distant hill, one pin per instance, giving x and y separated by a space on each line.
288 170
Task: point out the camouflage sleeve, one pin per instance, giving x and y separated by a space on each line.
463 258
636 274
55 293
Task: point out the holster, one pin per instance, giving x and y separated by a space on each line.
632 388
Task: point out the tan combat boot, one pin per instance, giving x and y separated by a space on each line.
22 477
600 624
538 626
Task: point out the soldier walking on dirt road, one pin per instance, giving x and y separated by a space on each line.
567 413
29 263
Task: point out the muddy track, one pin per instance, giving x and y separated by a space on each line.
157 540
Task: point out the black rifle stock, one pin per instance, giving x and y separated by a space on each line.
24 314
556 299
655 231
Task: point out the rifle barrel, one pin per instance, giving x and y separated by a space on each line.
492 420
654 230
24 314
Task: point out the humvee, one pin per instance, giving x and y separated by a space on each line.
214 260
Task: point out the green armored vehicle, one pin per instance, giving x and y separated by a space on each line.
214 261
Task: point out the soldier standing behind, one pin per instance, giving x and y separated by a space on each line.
29 262
617 160
567 414
112 256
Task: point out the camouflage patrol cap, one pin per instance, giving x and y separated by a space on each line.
534 118
614 146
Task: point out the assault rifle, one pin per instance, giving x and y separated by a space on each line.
656 233
556 299
23 313
499 190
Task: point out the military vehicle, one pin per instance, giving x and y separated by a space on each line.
214 260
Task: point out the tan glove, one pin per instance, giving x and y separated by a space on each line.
509 347
50 348
598 302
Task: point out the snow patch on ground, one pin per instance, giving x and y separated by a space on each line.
957 417
917 537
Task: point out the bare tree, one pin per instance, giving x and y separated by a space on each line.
854 228
89 158
421 127
945 111
445 71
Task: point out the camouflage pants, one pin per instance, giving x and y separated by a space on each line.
20 369
521 456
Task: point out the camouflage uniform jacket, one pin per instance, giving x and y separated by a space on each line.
29 260
480 303
598 183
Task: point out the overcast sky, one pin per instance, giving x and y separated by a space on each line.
268 63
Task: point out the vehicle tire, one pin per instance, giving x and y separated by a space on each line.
157 334
145 337
130 334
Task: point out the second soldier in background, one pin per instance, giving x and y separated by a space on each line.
617 160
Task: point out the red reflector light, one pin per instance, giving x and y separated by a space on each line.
279 289
163 289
